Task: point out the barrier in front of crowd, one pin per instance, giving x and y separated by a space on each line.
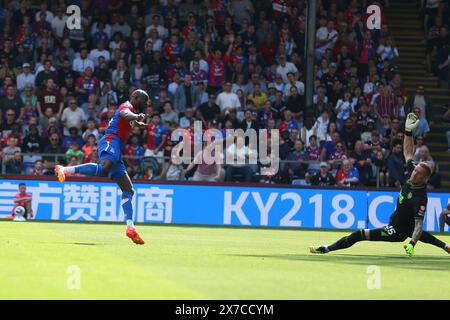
210 204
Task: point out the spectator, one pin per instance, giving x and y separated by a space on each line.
82 62
38 169
361 160
396 165
296 167
382 169
209 110
169 115
48 72
349 135
87 84
74 151
420 100
348 175
295 104
11 102
25 78
156 137
51 98
336 157
185 95
240 154
14 165
91 130
249 122
134 153
444 218
207 170
323 178
53 151
423 128
227 100
72 117
73 136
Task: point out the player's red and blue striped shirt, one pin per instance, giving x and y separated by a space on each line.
118 126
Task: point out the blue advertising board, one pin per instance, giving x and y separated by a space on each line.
215 205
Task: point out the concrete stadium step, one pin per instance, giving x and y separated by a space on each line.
411 54
435 146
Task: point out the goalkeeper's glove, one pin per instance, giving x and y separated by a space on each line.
409 248
412 122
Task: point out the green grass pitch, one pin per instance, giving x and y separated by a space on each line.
41 261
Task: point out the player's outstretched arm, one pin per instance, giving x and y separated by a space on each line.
412 122
131 116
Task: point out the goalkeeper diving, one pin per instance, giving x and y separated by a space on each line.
407 219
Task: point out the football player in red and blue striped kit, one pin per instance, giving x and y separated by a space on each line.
111 145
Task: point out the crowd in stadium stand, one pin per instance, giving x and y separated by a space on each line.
228 63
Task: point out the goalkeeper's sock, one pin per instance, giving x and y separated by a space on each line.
347 241
427 237
324 249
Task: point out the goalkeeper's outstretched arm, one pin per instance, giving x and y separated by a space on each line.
412 121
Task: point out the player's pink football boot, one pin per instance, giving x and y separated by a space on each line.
134 236
60 173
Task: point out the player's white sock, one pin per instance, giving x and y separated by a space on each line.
70 170
447 246
130 223
326 249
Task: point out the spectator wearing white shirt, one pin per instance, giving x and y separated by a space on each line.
278 84
59 23
121 26
387 50
240 154
153 42
163 32
198 58
82 62
344 107
321 125
25 78
326 37
99 52
292 82
284 67
73 116
227 99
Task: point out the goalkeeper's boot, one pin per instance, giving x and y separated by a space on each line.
60 172
134 236
317 249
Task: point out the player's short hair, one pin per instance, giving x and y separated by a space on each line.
139 94
22 184
428 166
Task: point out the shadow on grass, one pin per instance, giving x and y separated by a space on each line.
404 262
74 243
